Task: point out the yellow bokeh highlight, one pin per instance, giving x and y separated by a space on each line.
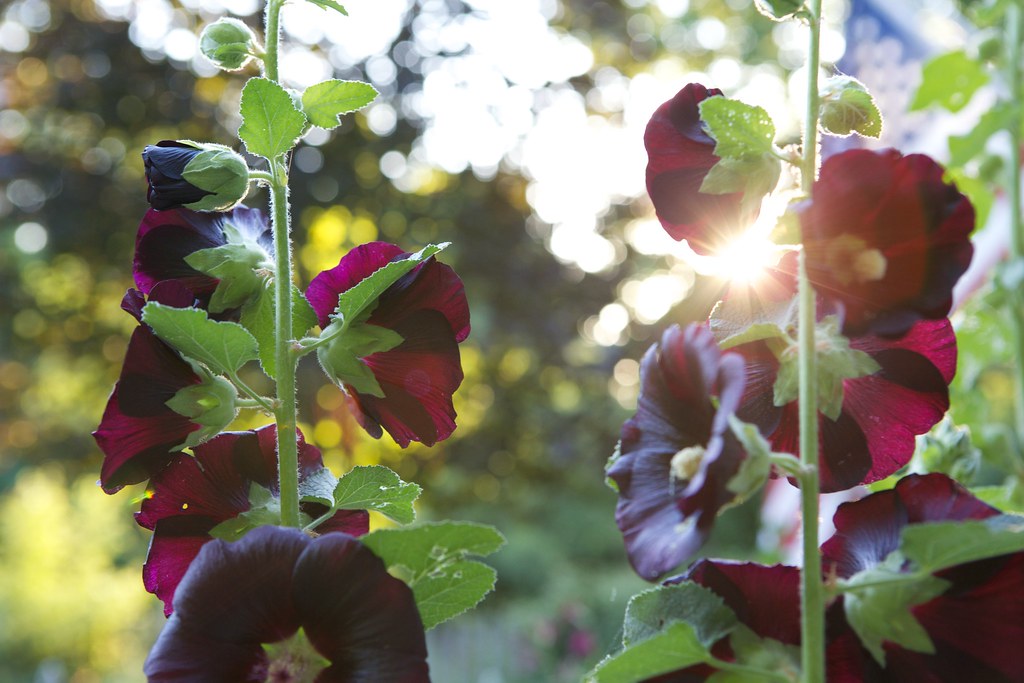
514 364
327 433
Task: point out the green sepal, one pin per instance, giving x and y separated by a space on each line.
355 300
211 405
324 102
755 652
878 601
935 546
219 170
741 131
229 43
341 358
949 81
835 362
271 123
240 266
741 320
847 107
377 488
264 510
756 467
947 448
779 10
754 177
223 347
433 560
330 4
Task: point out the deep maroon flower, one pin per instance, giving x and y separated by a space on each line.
887 236
428 309
193 175
677 453
166 238
191 496
882 413
680 154
236 597
976 625
139 432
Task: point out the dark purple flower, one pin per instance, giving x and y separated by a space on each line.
677 453
191 496
197 176
166 238
882 413
428 309
680 154
888 236
139 432
237 597
976 625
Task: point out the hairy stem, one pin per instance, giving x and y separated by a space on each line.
1014 36
273 38
812 589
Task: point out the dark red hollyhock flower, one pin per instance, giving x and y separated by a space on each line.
976 625
887 236
882 413
428 308
236 597
165 238
138 429
680 154
165 164
677 453
191 496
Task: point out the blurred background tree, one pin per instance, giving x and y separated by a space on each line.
512 129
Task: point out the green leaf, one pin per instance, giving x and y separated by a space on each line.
343 367
435 561
648 612
224 347
847 107
377 488
1008 497
271 124
766 654
330 4
325 102
935 546
258 317
878 602
754 177
949 81
741 131
354 301
963 148
318 487
264 509
675 647
978 192
740 320
778 10
757 466
235 266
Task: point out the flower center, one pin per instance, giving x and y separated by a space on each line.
686 463
293 660
849 260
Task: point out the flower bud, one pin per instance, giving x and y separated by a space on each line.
197 176
228 43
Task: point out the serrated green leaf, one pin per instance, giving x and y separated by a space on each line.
878 600
271 124
963 148
847 107
377 488
330 4
318 487
676 647
648 612
222 346
754 177
258 317
324 102
949 81
740 130
935 546
434 559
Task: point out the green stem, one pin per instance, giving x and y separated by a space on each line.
261 176
273 38
260 401
812 589
1014 36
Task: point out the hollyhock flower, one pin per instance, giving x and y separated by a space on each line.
166 238
882 413
358 622
976 624
427 308
677 454
680 154
888 237
197 176
191 496
139 432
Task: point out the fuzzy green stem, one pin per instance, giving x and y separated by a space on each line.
273 38
812 589
1014 36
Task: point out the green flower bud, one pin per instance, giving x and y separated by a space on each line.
229 44
211 405
219 171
